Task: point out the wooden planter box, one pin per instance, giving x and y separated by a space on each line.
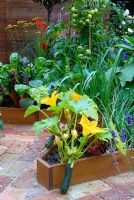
91 168
16 116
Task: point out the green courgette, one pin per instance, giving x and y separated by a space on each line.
1 124
66 180
50 141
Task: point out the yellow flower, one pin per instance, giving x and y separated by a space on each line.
21 22
9 26
51 101
90 127
75 96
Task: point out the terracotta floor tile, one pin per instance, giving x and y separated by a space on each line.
12 194
14 169
6 158
88 188
18 147
116 194
54 195
4 182
3 149
120 180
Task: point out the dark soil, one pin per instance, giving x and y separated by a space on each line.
95 150
7 102
53 157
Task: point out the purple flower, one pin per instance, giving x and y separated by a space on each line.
125 56
95 52
52 85
123 135
125 42
111 150
115 163
25 61
129 119
113 133
59 18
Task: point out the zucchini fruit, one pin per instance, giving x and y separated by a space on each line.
50 141
67 179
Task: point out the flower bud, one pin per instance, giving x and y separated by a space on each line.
65 136
66 112
70 152
74 134
57 140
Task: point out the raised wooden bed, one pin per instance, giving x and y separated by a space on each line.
91 168
16 116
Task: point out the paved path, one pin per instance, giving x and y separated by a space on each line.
19 149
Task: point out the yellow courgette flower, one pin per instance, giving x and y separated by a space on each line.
51 101
75 96
90 127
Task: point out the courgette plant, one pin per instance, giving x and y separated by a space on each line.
79 131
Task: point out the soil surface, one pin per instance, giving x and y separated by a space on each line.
53 157
95 150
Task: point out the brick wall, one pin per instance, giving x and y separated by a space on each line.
13 10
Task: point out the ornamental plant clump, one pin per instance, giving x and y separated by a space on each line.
28 37
75 128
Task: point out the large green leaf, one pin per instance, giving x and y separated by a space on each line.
21 89
50 122
26 102
91 111
35 83
65 96
105 136
31 110
38 93
40 62
126 74
38 127
57 110
76 106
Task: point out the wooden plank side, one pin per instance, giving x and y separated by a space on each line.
43 175
16 116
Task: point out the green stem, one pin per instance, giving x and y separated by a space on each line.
44 113
89 145
60 115
75 123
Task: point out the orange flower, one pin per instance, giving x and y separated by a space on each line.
59 33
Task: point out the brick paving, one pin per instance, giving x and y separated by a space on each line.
19 149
